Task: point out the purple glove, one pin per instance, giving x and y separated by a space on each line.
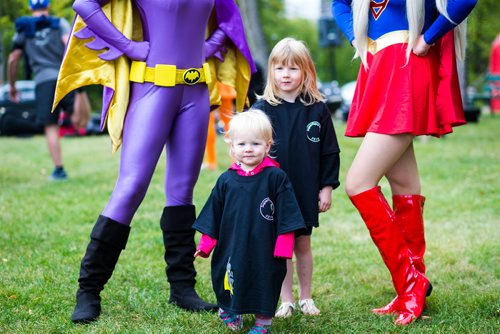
214 45
105 33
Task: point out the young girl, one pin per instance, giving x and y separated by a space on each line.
307 150
407 86
250 219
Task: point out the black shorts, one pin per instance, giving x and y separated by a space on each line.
44 95
304 231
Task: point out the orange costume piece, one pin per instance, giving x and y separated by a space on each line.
228 95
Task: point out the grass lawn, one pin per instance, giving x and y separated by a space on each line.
45 229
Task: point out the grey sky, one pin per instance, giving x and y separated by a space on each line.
309 9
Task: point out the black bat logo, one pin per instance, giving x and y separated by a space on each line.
192 76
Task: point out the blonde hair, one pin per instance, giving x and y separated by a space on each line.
415 12
253 121
290 51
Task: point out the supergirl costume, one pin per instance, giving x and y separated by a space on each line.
167 105
246 214
394 95
306 147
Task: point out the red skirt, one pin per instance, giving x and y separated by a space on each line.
421 97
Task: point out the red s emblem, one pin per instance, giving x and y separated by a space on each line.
377 7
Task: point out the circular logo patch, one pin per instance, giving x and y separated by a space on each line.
267 209
313 131
191 76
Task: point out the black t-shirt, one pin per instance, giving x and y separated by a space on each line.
305 145
246 214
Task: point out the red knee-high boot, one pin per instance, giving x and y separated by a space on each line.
408 210
410 285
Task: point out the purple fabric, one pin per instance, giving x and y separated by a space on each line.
107 96
105 34
172 117
214 45
229 20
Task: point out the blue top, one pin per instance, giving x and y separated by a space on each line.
390 15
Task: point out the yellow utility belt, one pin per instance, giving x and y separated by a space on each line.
168 75
391 38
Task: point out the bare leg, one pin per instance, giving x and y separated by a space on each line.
287 287
287 301
376 156
403 176
54 143
304 257
304 265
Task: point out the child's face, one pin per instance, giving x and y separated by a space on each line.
288 79
249 151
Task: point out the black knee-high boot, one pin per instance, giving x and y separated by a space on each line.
178 237
107 240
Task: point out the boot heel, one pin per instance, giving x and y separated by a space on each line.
429 290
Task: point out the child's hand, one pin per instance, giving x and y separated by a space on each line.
200 253
325 198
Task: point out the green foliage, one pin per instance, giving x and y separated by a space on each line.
10 10
45 228
483 27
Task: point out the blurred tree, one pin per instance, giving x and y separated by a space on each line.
253 30
483 26
266 23
10 10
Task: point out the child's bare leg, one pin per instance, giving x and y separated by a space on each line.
304 265
287 300
287 287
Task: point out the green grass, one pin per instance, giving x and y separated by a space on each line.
45 228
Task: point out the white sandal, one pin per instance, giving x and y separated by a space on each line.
308 308
285 310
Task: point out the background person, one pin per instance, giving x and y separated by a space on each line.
42 38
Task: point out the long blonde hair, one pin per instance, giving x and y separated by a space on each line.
415 11
290 51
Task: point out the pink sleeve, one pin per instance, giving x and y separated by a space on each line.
284 245
206 245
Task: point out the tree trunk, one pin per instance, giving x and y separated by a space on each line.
253 29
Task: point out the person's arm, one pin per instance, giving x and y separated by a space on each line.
105 33
214 45
65 30
342 14
329 162
325 198
284 245
205 246
458 10
13 61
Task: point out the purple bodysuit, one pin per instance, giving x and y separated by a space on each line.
172 117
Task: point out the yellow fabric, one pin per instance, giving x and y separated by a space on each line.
82 67
234 71
168 75
227 284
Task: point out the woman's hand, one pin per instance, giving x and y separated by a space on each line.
137 50
421 47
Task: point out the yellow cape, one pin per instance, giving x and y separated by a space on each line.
81 67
